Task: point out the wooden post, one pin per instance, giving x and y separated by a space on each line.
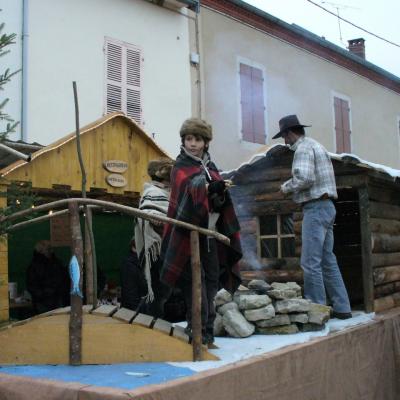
90 265
196 295
75 321
366 250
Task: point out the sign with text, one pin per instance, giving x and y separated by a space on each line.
116 166
116 180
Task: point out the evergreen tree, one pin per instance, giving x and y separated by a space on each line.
5 76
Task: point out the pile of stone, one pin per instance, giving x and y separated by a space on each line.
267 309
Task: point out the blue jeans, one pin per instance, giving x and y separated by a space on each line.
321 271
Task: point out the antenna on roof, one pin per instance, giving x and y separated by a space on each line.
338 7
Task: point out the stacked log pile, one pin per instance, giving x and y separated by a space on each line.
267 309
384 222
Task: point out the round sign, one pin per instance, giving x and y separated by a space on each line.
115 166
116 180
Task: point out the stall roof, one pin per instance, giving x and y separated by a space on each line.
111 138
84 130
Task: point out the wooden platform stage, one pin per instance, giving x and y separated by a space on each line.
362 362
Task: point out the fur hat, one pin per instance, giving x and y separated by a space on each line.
160 168
196 126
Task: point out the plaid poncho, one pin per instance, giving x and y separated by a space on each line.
189 203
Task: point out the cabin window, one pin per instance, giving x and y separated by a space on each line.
252 104
276 236
123 80
342 125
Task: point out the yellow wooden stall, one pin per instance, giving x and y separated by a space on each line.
115 151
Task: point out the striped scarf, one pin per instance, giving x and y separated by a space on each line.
154 201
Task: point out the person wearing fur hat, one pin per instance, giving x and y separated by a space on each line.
199 196
148 234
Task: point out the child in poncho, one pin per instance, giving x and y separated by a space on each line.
199 196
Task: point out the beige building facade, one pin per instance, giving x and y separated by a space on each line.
255 69
125 55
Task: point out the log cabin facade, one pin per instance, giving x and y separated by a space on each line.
367 226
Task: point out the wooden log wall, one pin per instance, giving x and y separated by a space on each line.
257 194
384 217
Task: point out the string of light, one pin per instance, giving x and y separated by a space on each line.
356 26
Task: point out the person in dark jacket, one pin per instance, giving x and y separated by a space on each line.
133 283
47 279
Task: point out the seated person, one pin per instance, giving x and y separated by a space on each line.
47 279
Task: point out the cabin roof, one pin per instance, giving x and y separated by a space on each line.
280 149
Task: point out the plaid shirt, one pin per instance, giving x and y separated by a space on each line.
312 172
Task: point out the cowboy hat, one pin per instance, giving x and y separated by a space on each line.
285 123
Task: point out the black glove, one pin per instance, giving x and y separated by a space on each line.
216 187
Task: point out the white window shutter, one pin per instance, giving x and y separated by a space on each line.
123 79
113 77
133 84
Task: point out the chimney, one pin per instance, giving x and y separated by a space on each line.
357 46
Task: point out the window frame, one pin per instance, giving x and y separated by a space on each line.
277 236
253 64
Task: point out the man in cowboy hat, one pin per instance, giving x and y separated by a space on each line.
313 185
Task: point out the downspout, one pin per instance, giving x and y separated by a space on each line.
199 83
24 62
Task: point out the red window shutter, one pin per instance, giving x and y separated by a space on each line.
245 101
258 106
346 126
342 125
252 104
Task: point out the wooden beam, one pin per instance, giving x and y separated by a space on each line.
196 296
388 226
90 259
117 207
23 224
384 195
384 210
385 243
366 249
386 274
351 181
75 322
387 289
385 259
387 302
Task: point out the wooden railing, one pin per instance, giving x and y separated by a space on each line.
73 208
